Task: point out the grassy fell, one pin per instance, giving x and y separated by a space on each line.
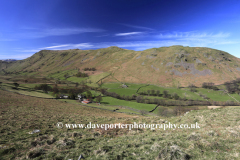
158 64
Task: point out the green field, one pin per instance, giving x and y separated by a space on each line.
182 92
218 95
135 105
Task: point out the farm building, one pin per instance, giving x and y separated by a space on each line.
86 101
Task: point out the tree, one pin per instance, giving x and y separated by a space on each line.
175 96
165 94
76 84
103 91
148 91
208 85
72 95
193 90
153 92
43 87
55 90
192 86
99 99
158 93
80 74
139 99
231 87
134 96
16 84
89 95
66 75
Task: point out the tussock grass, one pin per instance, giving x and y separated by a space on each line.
217 138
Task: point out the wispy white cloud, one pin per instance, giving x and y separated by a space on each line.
128 34
69 46
137 27
193 35
58 46
40 33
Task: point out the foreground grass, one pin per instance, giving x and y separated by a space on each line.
21 114
217 138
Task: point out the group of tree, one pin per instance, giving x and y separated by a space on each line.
209 85
80 74
233 86
99 99
151 93
89 69
66 76
192 88
43 87
71 92
165 94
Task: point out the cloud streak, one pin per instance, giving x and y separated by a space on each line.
40 33
128 34
136 27
193 35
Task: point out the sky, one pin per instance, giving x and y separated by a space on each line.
28 26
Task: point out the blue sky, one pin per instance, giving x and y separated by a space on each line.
28 26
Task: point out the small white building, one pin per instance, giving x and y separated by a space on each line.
124 86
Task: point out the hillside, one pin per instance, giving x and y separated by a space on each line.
217 138
165 66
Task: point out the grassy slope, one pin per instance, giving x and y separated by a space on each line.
217 137
22 90
218 95
120 62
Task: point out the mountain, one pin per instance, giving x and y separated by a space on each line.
9 60
166 66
